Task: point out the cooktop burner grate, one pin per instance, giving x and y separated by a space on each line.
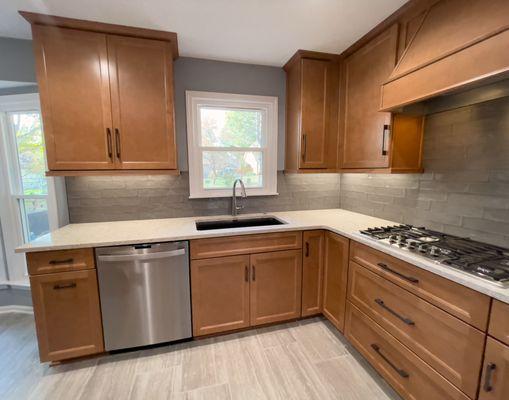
480 259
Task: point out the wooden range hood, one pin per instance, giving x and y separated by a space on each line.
460 44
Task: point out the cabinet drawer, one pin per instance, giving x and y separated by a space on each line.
47 262
466 304
499 321
449 345
411 377
245 244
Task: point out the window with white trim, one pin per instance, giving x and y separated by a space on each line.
28 198
231 136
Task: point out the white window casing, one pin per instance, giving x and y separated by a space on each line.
267 105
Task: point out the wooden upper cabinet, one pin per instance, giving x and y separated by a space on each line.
72 72
312 112
335 277
106 95
312 272
275 286
371 139
220 294
67 314
141 76
495 376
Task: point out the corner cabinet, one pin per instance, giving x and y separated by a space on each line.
371 139
312 94
106 98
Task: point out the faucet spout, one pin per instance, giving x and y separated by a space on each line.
236 208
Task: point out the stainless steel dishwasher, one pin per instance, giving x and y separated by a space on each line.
145 294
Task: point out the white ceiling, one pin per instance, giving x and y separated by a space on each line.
250 31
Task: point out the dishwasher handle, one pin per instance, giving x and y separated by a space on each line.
147 256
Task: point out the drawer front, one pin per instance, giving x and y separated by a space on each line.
411 377
245 244
499 321
47 262
447 344
466 304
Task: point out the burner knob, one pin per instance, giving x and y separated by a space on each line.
393 238
435 251
423 248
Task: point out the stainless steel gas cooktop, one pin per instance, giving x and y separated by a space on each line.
480 259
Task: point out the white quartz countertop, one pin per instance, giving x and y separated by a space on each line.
346 223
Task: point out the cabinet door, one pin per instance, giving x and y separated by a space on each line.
67 314
312 272
72 71
315 103
220 294
495 376
335 278
141 73
275 286
364 127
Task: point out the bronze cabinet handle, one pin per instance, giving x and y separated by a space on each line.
117 142
407 278
400 371
246 273
110 144
487 387
384 138
68 286
304 146
253 274
307 249
381 303
66 261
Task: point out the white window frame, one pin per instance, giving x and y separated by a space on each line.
10 194
268 104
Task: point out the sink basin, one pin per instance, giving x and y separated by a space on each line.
237 223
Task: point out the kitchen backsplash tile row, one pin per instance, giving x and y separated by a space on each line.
465 188
112 198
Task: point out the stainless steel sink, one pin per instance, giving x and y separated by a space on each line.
237 223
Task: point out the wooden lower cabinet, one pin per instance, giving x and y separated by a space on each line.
411 377
312 272
499 321
67 314
275 286
220 294
335 278
495 377
449 345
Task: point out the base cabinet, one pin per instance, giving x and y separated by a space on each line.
411 377
220 294
275 286
495 376
312 272
236 292
67 314
335 278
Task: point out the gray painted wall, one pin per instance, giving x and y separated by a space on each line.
226 77
17 60
465 188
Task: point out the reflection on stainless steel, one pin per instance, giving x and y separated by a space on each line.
145 294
